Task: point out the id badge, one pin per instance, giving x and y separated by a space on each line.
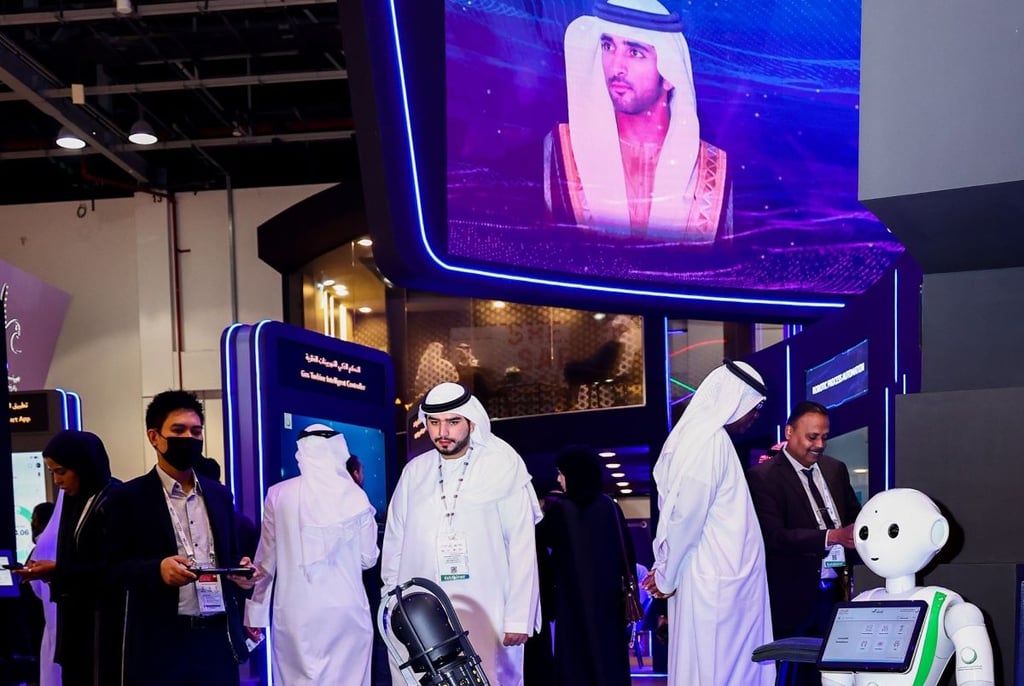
211 596
836 556
452 557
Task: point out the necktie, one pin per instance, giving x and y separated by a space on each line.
818 500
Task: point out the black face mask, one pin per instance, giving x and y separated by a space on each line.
183 451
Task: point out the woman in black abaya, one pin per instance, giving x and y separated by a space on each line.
582 531
81 468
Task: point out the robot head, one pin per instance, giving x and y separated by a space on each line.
899 531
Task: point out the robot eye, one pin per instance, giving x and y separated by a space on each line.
863 533
894 530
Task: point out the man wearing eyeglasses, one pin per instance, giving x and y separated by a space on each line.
806 507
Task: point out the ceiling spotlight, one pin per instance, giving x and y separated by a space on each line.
613 465
606 453
621 483
618 475
329 282
124 7
365 310
69 140
142 133
625 491
498 304
340 289
599 316
365 242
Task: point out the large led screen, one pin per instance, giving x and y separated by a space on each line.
701 145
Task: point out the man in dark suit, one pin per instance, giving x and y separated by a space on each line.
806 507
180 627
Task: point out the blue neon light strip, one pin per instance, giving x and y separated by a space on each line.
64 408
668 372
789 385
230 397
896 325
534 280
78 409
888 483
258 392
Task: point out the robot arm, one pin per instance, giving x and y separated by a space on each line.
965 625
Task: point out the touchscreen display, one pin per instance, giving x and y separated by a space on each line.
873 636
8 587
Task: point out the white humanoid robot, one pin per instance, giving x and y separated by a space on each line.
896 534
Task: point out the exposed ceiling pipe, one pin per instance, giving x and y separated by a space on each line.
223 142
147 10
190 84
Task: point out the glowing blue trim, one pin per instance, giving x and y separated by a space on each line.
888 485
534 280
789 385
896 325
230 399
64 408
258 393
668 375
778 433
904 384
78 409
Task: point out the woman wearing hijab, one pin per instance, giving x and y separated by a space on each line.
81 469
318 535
582 530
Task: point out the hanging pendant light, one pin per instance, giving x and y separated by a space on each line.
69 140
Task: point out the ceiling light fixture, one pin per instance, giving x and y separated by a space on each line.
498 304
365 310
599 316
625 491
606 453
123 7
68 140
621 483
618 475
365 242
613 465
329 282
142 133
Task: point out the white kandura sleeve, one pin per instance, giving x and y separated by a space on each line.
394 537
257 608
522 604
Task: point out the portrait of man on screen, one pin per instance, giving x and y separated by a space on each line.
630 161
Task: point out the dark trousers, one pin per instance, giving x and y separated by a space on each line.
830 592
203 657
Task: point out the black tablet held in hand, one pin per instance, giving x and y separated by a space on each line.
247 572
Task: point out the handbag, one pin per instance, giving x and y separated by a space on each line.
631 609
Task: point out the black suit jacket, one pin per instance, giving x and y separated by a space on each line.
142 535
794 545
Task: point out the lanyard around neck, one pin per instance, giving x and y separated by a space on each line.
449 503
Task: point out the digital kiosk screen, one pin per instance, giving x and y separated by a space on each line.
30 475
365 443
